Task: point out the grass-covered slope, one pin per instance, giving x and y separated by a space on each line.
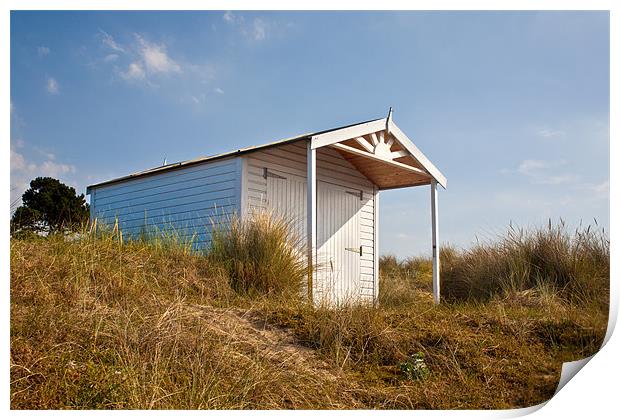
97 323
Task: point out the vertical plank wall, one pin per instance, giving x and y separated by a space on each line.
182 202
332 168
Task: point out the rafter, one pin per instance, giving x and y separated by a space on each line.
394 163
399 154
364 143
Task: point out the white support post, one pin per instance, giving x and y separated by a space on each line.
312 215
93 212
376 244
435 238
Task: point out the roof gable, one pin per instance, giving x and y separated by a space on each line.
378 138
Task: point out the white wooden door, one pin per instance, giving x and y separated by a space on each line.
337 277
338 274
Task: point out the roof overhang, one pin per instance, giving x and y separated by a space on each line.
383 153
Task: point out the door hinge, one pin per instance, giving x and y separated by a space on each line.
356 250
267 174
359 194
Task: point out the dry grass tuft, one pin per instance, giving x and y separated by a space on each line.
260 255
550 260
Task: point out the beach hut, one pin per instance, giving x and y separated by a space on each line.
328 181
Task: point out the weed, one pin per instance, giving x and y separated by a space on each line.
414 368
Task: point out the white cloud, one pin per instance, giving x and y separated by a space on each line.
529 165
147 59
24 170
52 86
143 62
134 72
110 57
259 31
155 58
53 169
545 172
602 188
109 42
42 152
557 179
47 168
599 190
18 162
19 143
229 17
43 51
219 91
256 30
549 133
197 99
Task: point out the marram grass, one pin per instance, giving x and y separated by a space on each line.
260 254
102 321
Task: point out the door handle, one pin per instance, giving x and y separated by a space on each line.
356 250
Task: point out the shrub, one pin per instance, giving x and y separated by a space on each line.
260 254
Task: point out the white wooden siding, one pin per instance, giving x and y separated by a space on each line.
185 201
331 168
288 197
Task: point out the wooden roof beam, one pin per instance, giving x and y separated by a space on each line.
364 143
400 153
374 157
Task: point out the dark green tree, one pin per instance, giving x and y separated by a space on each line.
49 206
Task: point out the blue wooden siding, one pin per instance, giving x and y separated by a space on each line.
183 202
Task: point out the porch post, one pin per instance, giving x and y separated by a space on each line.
435 239
311 217
376 244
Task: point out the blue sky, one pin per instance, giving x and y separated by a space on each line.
513 107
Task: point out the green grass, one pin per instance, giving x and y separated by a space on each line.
102 322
